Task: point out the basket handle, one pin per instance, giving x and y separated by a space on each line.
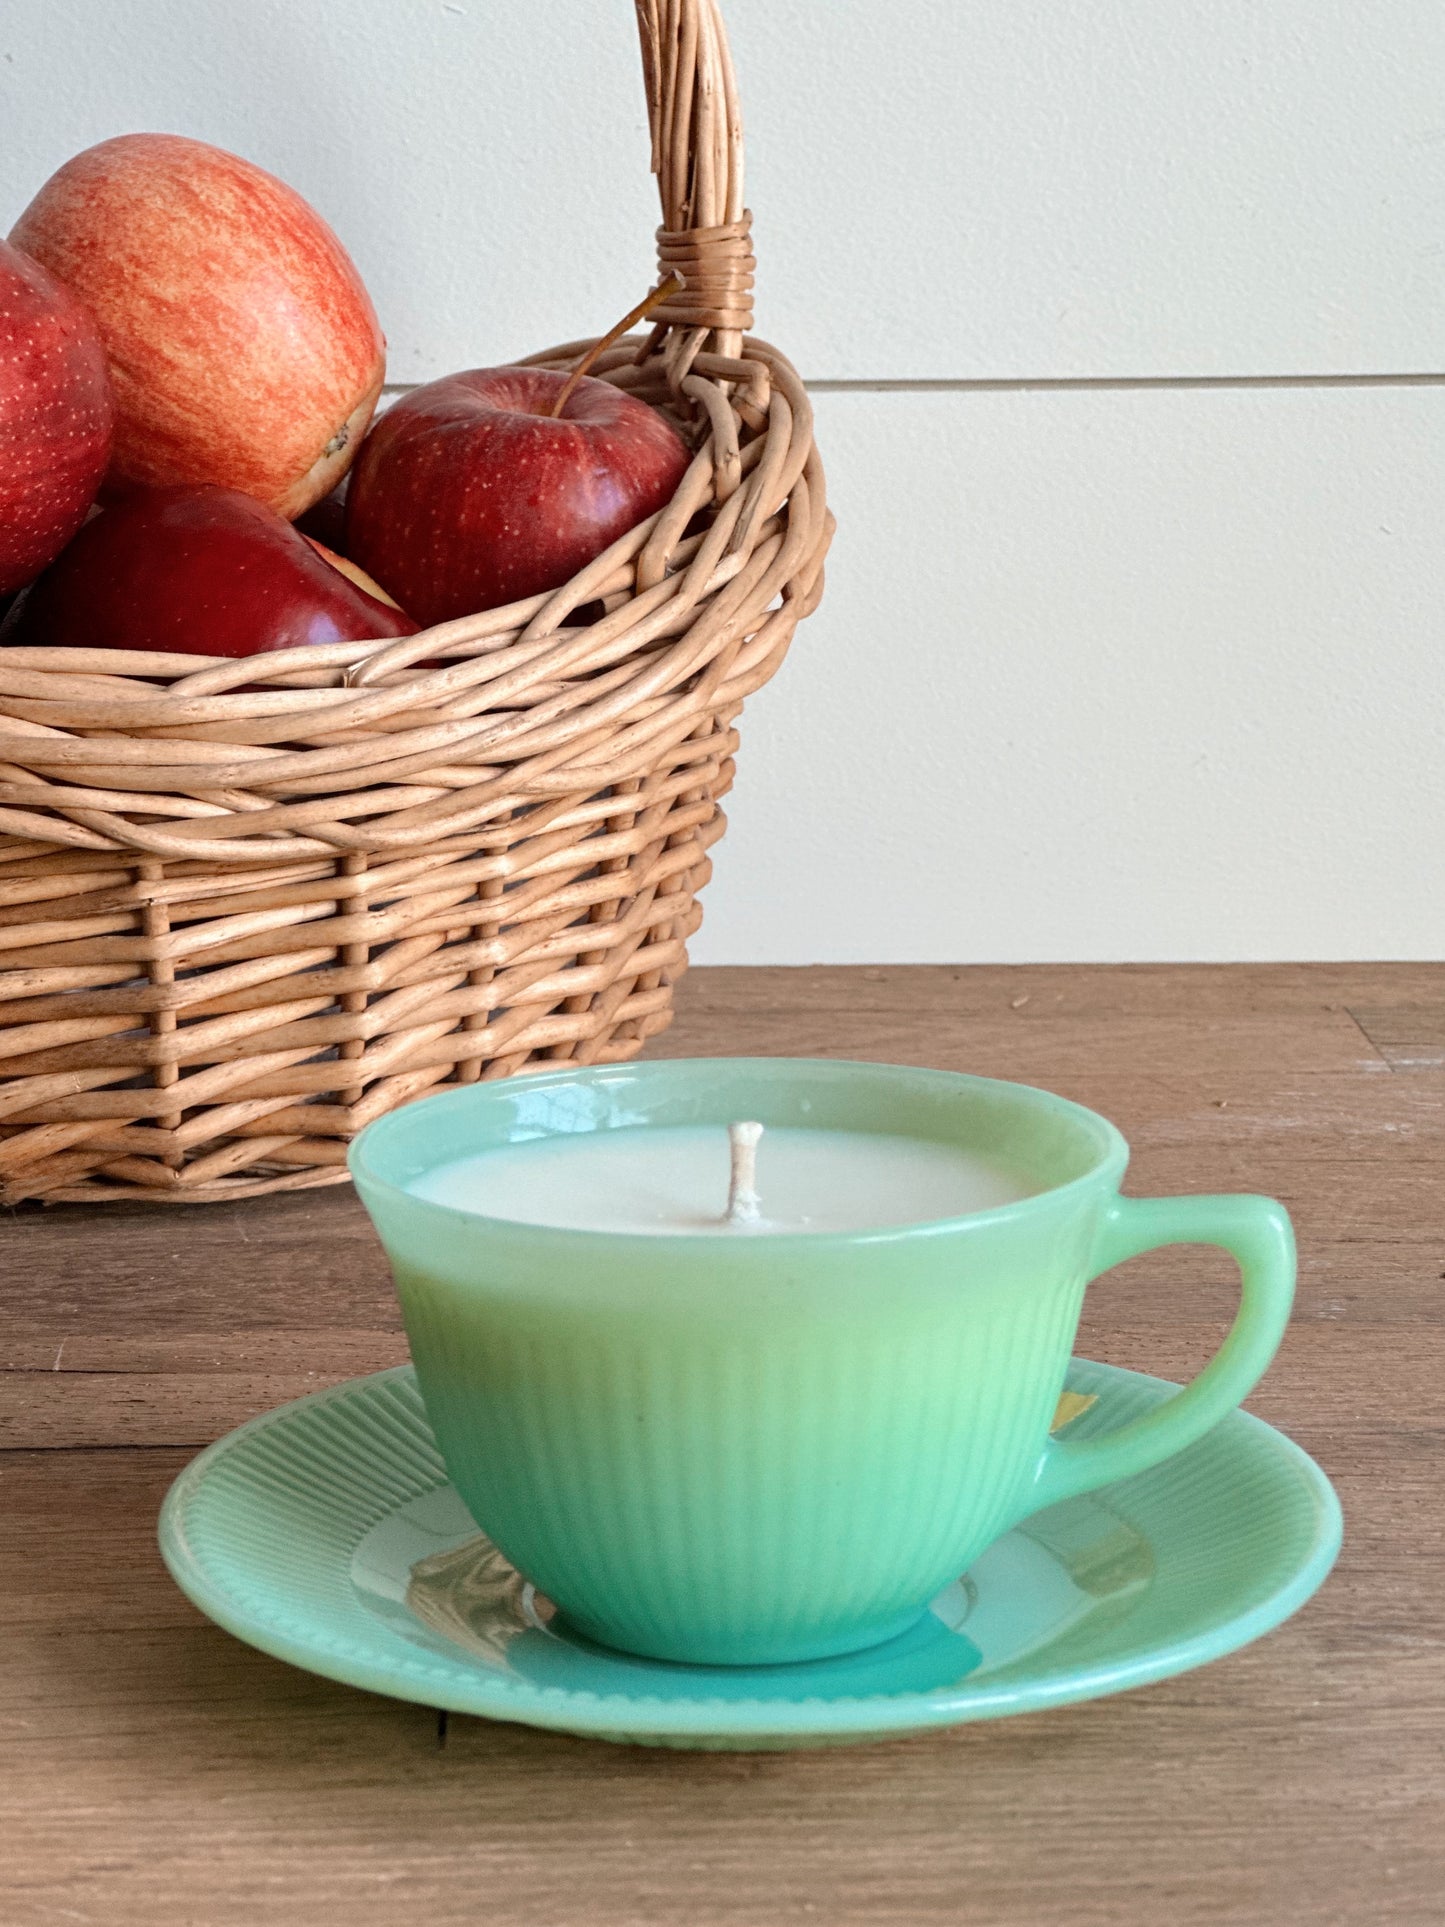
697 156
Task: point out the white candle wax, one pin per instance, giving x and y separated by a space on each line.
675 1179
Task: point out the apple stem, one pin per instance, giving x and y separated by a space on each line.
660 293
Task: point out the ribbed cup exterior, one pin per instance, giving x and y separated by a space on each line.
748 1495
743 1449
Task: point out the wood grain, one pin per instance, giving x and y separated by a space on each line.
156 1771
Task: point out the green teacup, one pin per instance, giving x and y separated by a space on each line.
736 1449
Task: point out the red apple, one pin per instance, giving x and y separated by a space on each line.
325 521
204 571
468 493
56 417
354 573
243 348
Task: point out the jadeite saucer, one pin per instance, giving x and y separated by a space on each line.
326 1533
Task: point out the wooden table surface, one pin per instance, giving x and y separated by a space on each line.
156 1771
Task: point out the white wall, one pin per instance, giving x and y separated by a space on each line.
1125 325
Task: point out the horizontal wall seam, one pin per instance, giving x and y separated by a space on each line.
1055 384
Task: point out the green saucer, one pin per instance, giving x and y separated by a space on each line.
326 1533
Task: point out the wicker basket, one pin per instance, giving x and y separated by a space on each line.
247 906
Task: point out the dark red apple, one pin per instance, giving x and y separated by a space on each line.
243 347
204 571
57 417
468 493
325 521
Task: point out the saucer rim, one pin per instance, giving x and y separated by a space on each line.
454 1687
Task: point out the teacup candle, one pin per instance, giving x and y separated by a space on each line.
695 1178
743 1361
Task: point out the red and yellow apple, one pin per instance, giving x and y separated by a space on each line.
243 348
200 571
56 417
469 493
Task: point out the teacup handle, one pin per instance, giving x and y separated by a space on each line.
1257 1232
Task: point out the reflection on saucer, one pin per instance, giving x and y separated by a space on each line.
476 1600
474 1597
1029 1589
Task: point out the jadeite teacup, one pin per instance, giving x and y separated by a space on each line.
741 1449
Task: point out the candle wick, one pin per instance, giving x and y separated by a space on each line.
744 1204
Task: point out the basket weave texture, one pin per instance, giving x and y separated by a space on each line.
247 906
